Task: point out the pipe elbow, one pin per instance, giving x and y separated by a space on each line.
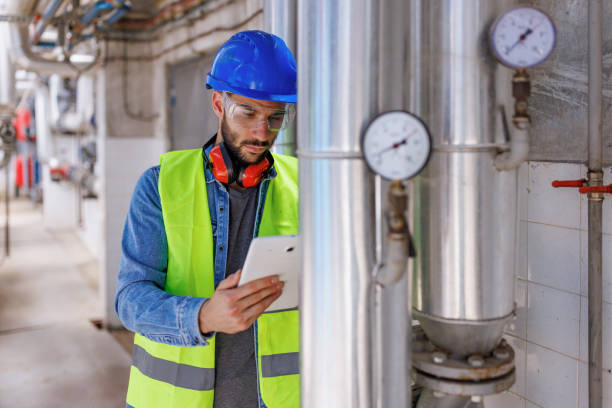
519 149
396 261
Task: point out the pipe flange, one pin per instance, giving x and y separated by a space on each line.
464 388
428 359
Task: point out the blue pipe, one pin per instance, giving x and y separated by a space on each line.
116 16
45 44
44 21
95 11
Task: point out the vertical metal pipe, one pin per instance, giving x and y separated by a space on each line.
465 209
337 87
595 84
394 303
7 201
7 73
595 204
595 306
280 18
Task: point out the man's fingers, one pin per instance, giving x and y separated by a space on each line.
255 286
256 297
253 312
231 281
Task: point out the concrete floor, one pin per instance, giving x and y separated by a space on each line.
51 354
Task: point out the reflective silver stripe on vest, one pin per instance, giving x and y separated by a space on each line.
275 365
180 375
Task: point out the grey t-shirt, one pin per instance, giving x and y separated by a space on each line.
235 372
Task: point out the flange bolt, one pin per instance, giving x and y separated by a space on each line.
501 353
438 357
476 360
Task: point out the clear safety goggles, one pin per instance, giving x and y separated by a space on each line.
247 116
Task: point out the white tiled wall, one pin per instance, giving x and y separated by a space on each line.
135 156
550 331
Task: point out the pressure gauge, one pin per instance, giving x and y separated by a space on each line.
523 37
396 145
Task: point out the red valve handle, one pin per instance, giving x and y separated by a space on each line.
569 183
595 189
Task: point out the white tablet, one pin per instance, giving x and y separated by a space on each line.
277 255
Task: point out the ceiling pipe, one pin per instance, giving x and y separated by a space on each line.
118 14
48 14
25 59
96 10
18 44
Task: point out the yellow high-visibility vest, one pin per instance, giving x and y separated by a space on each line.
168 376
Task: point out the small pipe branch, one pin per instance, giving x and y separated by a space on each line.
399 246
519 141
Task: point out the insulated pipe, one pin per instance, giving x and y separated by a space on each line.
7 75
25 59
466 212
336 81
96 10
117 15
595 177
48 14
280 18
394 306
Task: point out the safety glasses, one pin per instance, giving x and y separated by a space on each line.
247 116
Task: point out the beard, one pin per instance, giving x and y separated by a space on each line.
230 138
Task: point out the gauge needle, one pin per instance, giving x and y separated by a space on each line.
520 40
523 36
393 146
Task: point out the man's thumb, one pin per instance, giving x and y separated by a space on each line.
231 281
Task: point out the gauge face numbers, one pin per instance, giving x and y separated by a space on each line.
523 37
396 145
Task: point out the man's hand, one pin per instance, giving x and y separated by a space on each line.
232 310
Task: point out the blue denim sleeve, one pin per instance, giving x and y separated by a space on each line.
141 302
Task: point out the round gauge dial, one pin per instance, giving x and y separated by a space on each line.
523 37
396 145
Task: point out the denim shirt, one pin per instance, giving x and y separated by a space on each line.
141 302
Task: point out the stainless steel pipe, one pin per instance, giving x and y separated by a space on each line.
337 96
280 18
465 209
595 283
394 301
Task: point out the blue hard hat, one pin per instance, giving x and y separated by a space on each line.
256 65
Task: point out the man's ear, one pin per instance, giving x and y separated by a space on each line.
217 103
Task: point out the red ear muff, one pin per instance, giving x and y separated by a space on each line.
222 167
224 171
251 175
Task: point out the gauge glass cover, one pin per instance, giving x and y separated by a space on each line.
523 37
396 145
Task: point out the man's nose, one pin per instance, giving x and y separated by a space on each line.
260 130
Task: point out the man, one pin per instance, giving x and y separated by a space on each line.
200 340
